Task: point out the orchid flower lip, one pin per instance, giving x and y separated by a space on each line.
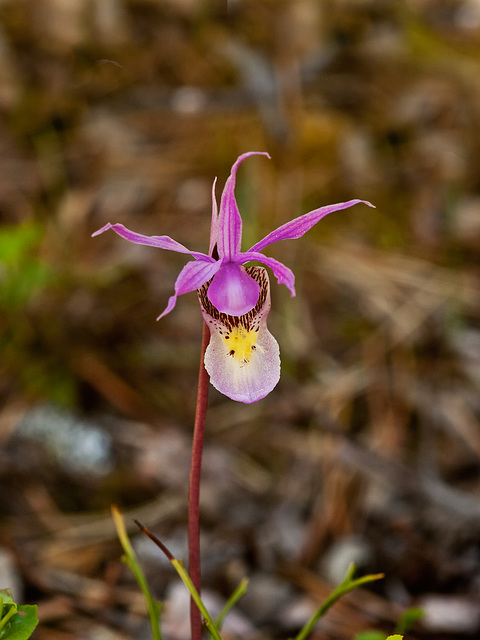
242 358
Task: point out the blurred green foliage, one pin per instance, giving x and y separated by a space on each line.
25 325
23 272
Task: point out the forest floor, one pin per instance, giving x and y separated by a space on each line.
368 450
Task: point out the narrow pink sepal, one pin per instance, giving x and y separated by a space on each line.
282 273
99 231
161 242
230 222
214 223
299 226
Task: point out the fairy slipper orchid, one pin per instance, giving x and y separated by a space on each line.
242 357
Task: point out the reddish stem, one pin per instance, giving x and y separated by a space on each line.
194 487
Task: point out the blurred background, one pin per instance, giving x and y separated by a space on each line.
368 450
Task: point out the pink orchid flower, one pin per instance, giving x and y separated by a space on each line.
242 358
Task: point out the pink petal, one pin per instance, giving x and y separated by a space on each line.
161 242
191 277
214 223
299 226
242 358
230 222
283 274
233 291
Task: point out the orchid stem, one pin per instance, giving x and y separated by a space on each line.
194 488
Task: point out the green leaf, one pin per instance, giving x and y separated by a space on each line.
17 622
239 592
209 623
370 635
347 584
6 596
131 560
409 617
